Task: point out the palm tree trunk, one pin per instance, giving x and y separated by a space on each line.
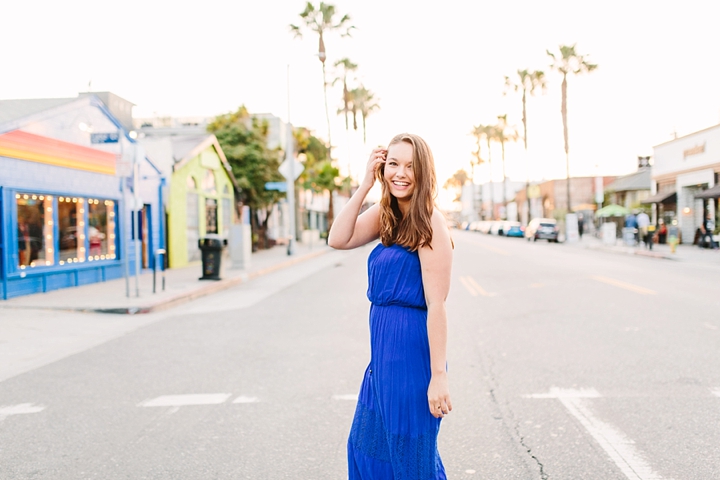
492 194
327 112
563 110
504 186
525 141
363 123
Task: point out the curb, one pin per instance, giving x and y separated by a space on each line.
642 253
186 297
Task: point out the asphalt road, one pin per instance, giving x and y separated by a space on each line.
564 364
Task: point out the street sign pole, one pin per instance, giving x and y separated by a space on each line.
291 178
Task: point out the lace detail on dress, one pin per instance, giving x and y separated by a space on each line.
413 458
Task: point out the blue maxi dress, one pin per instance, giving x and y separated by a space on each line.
393 434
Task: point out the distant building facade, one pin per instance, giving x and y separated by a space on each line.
549 199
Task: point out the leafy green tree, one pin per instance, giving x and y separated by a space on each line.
244 142
321 20
527 82
504 133
568 62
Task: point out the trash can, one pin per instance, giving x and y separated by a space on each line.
211 247
629 236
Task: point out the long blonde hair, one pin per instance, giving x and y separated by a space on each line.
414 230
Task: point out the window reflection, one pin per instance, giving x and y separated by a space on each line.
34 230
101 229
71 230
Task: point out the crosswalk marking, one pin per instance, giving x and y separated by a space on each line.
186 400
20 409
620 448
626 286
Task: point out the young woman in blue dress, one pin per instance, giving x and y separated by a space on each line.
405 392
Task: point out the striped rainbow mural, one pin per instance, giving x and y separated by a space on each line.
35 148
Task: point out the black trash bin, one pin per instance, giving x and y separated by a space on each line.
211 248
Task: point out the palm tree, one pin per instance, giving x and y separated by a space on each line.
504 133
347 67
527 82
321 20
489 133
365 103
568 61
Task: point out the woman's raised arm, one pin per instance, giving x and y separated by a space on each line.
350 230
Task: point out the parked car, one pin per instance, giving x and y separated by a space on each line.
485 226
496 228
513 229
542 229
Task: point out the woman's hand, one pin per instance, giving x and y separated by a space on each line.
439 395
377 158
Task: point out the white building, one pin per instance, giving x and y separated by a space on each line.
687 167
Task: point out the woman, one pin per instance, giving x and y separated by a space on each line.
404 393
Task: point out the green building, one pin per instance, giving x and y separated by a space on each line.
200 197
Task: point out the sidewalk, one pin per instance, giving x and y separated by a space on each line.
683 253
181 285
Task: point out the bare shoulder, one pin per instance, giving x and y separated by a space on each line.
441 232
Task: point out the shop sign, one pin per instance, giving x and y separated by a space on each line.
694 150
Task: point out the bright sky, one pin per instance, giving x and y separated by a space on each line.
437 67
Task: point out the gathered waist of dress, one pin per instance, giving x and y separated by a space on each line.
397 304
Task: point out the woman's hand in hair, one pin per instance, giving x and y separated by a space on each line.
377 158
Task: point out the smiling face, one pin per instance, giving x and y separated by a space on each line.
398 174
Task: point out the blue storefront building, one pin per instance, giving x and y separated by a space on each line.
79 201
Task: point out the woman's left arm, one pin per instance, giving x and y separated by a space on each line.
436 264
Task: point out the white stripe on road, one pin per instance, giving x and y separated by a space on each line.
244 399
480 290
716 392
184 400
350 396
620 448
469 287
20 409
710 326
626 286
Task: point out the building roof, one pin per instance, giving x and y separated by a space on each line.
640 180
16 109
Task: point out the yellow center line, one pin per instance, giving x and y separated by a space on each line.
626 286
481 290
469 287
488 247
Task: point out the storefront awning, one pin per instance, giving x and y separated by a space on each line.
666 197
712 192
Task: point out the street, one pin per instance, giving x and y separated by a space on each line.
564 363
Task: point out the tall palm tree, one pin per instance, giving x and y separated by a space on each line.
568 62
347 67
489 133
504 133
321 20
365 103
527 82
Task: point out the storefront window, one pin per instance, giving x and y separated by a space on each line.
35 230
101 229
211 223
71 229
208 183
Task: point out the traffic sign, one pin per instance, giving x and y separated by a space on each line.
279 186
297 168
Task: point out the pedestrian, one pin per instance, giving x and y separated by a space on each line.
581 225
643 222
404 393
673 236
708 229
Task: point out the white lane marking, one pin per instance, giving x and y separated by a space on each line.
185 400
20 409
481 290
626 286
469 287
716 392
244 399
470 472
350 396
710 326
620 448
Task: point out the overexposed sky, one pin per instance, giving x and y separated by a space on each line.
437 67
